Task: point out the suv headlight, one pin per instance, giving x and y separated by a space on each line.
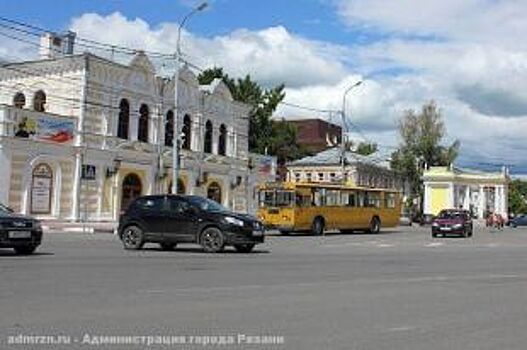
435 224
458 225
234 221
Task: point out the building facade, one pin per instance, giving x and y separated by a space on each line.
81 136
365 171
317 135
479 192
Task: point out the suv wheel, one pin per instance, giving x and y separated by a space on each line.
133 238
25 249
167 246
244 248
212 240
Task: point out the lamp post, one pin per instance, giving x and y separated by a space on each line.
342 141
176 136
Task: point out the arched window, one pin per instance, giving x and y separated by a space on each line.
19 101
207 147
214 192
124 119
132 188
181 189
169 129
39 101
187 132
144 116
222 141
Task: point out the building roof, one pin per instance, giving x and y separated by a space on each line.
445 173
332 156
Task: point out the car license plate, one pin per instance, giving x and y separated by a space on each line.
258 233
19 234
446 229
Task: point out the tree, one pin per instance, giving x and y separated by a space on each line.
421 145
366 148
518 197
263 103
283 142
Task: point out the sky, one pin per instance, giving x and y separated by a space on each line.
469 56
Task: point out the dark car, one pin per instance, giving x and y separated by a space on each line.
520 220
22 233
170 219
452 222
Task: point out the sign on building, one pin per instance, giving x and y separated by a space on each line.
89 172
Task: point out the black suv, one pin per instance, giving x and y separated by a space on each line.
170 219
19 232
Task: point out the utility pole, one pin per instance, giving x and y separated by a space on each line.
343 131
175 139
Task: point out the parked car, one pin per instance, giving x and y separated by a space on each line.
169 220
19 232
405 220
452 222
520 220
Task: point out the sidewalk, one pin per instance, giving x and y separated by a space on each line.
87 227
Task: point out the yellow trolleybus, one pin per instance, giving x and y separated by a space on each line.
317 207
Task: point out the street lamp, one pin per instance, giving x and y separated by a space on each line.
175 141
342 141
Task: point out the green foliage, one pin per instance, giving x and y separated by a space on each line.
283 142
518 197
264 136
366 148
421 145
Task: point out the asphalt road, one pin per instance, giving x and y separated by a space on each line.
397 290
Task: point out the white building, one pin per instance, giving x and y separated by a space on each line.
82 116
326 166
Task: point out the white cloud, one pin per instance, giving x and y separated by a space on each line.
470 56
272 55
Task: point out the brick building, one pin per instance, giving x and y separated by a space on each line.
317 135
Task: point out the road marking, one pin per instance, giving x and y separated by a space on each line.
439 278
434 244
402 329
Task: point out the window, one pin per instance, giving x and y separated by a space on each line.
374 200
19 101
178 205
390 200
187 132
214 192
297 177
169 129
155 203
348 199
361 199
222 141
207 147
308 177
332 198
39 101
144 115
124 119
320 176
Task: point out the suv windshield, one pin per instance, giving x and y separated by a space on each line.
207 205
451 215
